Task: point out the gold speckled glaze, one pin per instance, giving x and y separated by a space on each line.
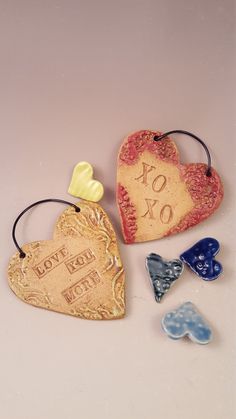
79 272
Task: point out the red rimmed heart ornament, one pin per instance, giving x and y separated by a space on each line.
157 196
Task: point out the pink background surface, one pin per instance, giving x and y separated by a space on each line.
76 77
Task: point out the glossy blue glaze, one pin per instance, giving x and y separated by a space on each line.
162 273
201 259
187 321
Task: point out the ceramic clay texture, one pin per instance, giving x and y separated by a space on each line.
76 78
83 185
162 273
78 272
187 321
201 258
156 195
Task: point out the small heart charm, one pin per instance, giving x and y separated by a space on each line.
187 321
83 185
162 273
201 259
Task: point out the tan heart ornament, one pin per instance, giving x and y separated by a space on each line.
79 272
157 195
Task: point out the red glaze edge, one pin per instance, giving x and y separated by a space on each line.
136 143
127 213
206 192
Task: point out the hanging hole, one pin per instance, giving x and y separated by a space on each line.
156 138
208 172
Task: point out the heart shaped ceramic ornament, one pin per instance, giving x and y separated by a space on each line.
83 185
157 195
79 272
201 258
163 273
187 321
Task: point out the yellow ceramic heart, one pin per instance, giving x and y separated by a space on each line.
83 185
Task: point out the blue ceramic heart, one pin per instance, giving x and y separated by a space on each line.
162 273
187 321
201 259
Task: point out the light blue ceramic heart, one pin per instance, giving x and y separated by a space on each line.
187 321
